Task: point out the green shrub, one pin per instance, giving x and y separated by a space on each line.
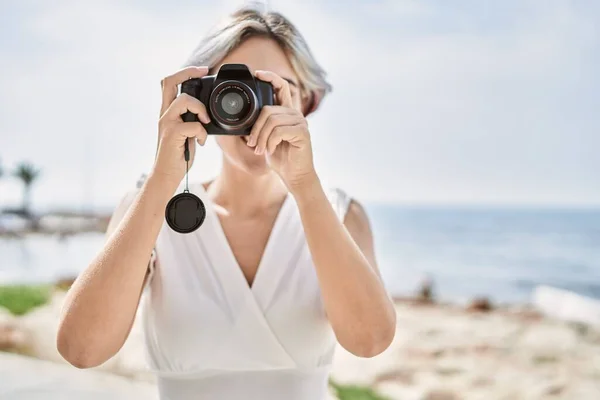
20 299
352 392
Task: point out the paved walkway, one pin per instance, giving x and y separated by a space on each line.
25 378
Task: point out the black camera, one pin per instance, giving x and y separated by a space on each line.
233 99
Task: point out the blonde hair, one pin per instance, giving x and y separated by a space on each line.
250 21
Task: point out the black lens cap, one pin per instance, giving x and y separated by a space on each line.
185 212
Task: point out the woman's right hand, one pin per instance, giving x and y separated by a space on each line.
172 131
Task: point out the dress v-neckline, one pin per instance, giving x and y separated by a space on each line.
248 304
226 246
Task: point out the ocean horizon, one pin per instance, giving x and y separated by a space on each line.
499 252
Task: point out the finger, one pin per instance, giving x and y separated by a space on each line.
184 103
296 98
192 130
275 120
265 113
170 84
283 133
280 86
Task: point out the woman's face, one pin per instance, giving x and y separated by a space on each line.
258 54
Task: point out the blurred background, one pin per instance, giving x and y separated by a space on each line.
469 130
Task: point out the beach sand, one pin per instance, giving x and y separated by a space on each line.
440 352
445 353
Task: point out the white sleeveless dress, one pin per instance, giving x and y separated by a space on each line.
209 335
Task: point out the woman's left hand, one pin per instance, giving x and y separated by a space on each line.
281 133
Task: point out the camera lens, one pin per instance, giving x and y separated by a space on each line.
234 106
232 103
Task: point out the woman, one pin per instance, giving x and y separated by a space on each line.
252 303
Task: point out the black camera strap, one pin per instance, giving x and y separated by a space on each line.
185 212
186 155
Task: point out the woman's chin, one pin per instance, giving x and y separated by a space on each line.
242 156
250 162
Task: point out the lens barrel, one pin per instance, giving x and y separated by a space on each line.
234 105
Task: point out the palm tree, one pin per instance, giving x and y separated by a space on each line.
27 173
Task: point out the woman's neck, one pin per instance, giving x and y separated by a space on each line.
243 194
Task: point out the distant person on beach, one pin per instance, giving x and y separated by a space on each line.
252 304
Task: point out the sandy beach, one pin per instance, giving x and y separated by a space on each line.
445 352
440 352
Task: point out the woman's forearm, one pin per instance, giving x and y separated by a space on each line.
355 299
101 305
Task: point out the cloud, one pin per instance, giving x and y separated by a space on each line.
431 102
467 114
86 109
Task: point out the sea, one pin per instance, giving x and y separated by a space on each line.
498 253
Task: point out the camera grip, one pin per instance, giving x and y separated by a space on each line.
192 87
265 93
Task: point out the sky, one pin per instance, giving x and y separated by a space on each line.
434 102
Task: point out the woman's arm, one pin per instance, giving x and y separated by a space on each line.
360 311
100 307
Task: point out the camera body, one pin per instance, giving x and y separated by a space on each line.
233 98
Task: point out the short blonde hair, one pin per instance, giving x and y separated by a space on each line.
250 21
